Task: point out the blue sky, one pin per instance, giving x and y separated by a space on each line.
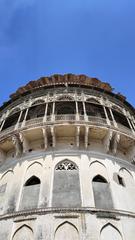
43 37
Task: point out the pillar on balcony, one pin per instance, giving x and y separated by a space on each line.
53 136
115 142
107 140
45 137
25 143
78 136
86 136
17 144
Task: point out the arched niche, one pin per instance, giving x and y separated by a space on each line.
110 232
102 193
126 177
31 187
30 193
23 233
66 185
34 168
98 168
5 183
66 231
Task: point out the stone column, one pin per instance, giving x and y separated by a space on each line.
86 136
107 118
78 136
114 122
25 143
77 112
16 126
25 117
45 137
46 108
17 144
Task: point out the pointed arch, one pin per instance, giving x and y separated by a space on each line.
99 178
108 231
66 185
32 181
125 169
66 231
10 171
66 164
24 231
35 168
127 177
98 168
96 161
36 162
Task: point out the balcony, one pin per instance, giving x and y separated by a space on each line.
65 118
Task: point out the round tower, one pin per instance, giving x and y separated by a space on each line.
67 154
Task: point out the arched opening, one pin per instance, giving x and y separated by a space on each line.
11 120
102 193
65 108
24 232
120 118
32 181
99 178
66 231
7 201
36 111
66 185
94 110
30 193
110 232
126 177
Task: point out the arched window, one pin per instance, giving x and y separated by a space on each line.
7 201
32 181
30 194
99 178
66 231
126 176
110 232
102 193
23 232
66 185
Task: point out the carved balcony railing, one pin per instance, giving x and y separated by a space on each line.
72 118
124 128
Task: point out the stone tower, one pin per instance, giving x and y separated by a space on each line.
67 148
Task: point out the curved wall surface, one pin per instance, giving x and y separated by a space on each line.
67 165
